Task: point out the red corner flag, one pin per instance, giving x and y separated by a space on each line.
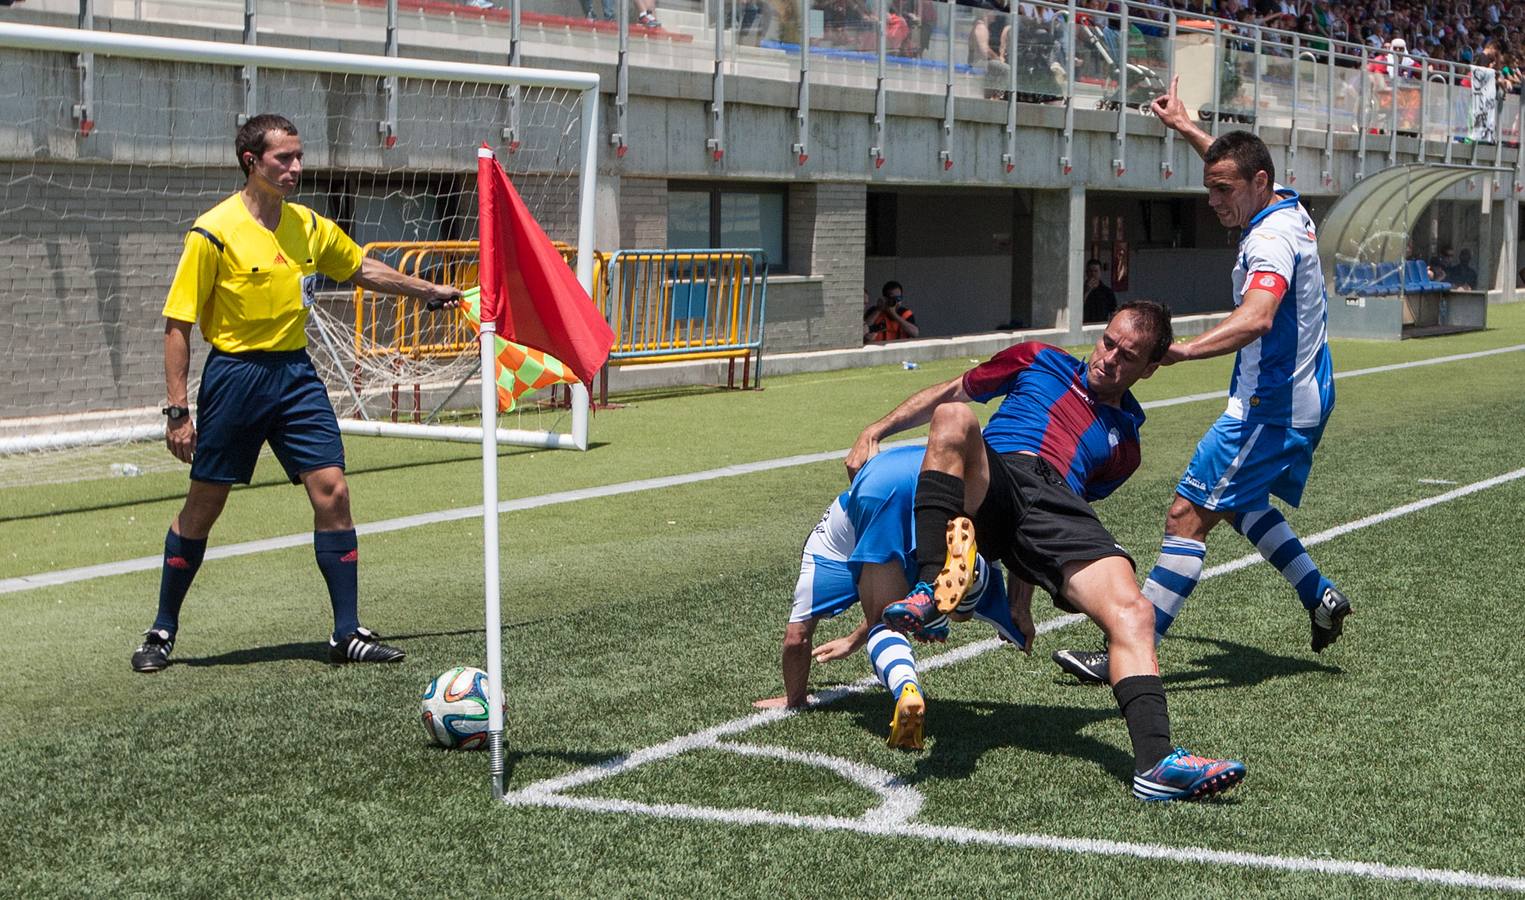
527 288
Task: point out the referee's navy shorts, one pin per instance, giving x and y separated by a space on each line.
1036 524
258 397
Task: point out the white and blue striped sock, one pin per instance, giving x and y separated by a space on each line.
1268 530
890 654
1173 578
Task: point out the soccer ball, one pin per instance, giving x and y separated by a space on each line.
454 709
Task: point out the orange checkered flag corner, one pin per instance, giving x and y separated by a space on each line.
518 370
527 288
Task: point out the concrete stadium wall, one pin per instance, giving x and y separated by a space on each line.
1016 254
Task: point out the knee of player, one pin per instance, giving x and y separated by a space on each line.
334 495
951 428
953 417
797 636
1131 619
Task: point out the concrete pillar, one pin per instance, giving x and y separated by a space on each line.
827 231
1501 250
1058 268
642 214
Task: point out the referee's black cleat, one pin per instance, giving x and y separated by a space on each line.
1090 666
362 645
153 654
1328 618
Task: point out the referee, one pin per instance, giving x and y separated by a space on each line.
242 277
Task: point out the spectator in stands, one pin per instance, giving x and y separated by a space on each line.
591 14
646 14
889 319
847 23
988 50
1100 301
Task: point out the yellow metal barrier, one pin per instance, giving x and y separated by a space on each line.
389 325
664 306
680 305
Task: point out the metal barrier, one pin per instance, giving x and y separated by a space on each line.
399 329
392 325
679 305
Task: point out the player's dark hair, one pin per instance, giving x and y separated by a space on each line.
1093 261
1154 318
251 136
890 286
1248 152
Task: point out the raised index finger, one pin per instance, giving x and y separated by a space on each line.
1175 81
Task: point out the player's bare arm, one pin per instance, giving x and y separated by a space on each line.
916 410
375 275
842 647
1172 112
1243 327
179 434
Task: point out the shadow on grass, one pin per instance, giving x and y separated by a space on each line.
966 729
317 651
1217 664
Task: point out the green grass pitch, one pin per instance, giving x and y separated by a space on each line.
252 768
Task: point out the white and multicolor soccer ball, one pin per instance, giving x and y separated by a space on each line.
454 709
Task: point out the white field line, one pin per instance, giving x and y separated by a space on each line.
957 835
546 791
149 563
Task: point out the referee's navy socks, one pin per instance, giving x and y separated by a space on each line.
1142 701
182 557
338 558
939 497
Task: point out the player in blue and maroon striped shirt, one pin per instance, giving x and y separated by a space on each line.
1066 432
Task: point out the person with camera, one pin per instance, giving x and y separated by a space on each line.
888 318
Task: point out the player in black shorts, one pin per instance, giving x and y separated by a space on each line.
1066 432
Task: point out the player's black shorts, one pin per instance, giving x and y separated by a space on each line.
1034 523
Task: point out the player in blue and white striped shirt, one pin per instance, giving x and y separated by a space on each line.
863 551
1280 397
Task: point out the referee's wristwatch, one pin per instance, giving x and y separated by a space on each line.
176 413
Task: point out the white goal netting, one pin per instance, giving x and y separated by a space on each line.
92 225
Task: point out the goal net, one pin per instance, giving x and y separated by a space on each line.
111 145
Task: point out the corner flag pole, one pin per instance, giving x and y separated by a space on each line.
487 335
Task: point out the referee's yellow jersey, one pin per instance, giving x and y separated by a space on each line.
243 282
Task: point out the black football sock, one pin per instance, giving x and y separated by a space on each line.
182 557
939 498
338 559
1142 701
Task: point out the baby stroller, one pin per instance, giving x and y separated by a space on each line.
1040 74
1144 84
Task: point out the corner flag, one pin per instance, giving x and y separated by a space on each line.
520 370
528 290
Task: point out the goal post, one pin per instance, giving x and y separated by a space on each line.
105 166
92 220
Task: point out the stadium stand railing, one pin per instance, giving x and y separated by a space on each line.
1232 72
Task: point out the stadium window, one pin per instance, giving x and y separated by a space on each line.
733 216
